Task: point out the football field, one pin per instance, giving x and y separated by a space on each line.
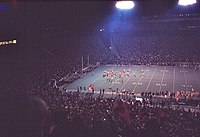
140 78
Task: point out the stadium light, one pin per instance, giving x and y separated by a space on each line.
8 42
186 2
125 5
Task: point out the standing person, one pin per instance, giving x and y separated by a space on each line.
93 90
111 79
77 88
134 74
103 91
84 88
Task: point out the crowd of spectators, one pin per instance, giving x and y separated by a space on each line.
76 115
174 48
155 23
81 115
154 49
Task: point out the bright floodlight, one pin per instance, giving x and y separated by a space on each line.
186 2
14 41
125 5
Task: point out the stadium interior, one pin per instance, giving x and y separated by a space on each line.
94 69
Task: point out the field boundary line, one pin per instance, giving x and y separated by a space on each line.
151 79
197 79
105 81
186 84
174 77
139 79
129 78
162 79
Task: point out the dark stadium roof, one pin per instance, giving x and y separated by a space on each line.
40 23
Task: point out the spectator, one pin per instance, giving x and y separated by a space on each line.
23 116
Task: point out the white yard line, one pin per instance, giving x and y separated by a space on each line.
174 76
96 79
186 84
107 81
151 79
98 75
115 81
197 79
101 84
139 80
162 79
129 78
95 75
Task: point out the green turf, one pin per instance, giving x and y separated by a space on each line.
155 79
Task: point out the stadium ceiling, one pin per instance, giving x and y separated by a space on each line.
101 8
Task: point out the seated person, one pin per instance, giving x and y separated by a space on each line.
22 115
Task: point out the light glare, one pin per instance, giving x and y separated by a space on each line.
125 5
187 2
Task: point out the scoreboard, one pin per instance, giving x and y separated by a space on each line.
8 42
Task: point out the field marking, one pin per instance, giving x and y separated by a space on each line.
162 79
98 79
197 79
174 76
140 79
129 78
81 83
97 74
151 79
186 84
95 78
106 81
101 84
115 81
